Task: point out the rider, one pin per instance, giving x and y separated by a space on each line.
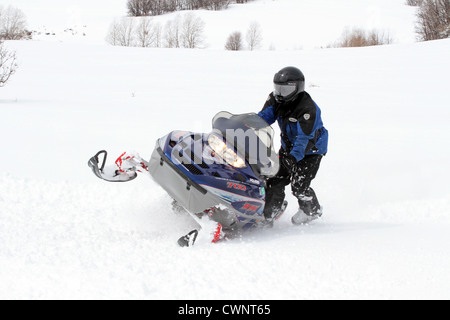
304 142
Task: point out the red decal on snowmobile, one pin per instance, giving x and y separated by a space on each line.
250 207
236 186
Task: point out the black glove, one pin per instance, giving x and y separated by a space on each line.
289 162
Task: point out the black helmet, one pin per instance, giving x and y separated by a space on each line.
289 82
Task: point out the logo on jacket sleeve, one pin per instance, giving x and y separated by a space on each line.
307 116
293 120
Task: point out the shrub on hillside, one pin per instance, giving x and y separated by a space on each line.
358 37
234 41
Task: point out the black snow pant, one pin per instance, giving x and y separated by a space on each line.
300 179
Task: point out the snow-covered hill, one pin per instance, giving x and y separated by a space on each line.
285 24
384 185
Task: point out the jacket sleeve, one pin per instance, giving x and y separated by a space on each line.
268 111
301 143
306 128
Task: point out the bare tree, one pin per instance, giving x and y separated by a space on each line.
144 33
433 20
126 32
172 33
113 33
215 4
192 31
414 3
254 36
121 32
12 24
138 8
8 64
148 33
446 32
234 41
157 32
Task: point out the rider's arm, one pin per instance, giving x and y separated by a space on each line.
268 111
308 122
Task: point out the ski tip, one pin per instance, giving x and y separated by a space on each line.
189 239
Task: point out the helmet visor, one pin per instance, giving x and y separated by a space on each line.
285 90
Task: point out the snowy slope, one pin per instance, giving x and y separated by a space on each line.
384 184
285 24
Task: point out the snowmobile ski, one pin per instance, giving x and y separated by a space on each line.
125 168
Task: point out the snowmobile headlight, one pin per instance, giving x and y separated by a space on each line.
226 153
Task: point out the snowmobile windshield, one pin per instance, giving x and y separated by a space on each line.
250 136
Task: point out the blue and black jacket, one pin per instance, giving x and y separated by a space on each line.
301 125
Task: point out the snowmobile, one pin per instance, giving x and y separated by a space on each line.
219 178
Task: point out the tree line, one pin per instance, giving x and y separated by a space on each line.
185 31
180 32
139 8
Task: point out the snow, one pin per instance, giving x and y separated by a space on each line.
65 234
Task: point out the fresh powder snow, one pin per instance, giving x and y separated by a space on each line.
384 185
